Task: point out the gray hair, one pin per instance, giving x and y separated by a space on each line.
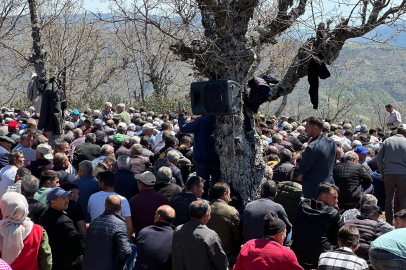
283 133
368 199
356 143
59 158
276 138
14 154
161 162
136 149
172 155
135 139
300 128
124 162
351 155
90 137
401 129
121 105
86 166
199 208
164 174
108 103
268 170
106 148
69 126
30 184
347 126
285 155
288 127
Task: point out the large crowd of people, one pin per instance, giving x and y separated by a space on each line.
133 189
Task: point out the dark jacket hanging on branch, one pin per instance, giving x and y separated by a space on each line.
315 70
53 104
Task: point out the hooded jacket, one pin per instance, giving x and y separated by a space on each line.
316 226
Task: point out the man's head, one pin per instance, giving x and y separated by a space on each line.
145 180
274 227
77 132
352 156
373 211
268 172
200 210
29 185
195 185
145 142
74 190
118 139
314 126
277 138
107 150
106 180
61 160
221 190
269 189
301 129
328 194
75 114
361 152
164 174
148 129
6 142
173 156
107 106
165 213
348 236
170 141
49 179
113 203
27 139
21 172
272 150
285 156
124 162
136 150
13 126
69 126
120 108
90 138
137 139
57 199
85 167
400 219
44 151
296 175
108 162
166 126
186 141
372 132
16 158
88 123
389 108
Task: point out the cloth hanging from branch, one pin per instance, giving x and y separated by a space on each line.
316 69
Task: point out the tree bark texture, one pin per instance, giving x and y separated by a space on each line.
282 106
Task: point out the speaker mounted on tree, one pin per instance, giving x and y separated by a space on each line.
219 97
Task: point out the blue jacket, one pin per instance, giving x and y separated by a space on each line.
107 243
88 185
3 157
154 247
317 165
203 142
65 177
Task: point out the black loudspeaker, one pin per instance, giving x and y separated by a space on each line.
215 97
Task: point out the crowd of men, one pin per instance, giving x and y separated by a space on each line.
132 189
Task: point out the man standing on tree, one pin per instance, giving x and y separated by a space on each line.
318 158
205 158
394 117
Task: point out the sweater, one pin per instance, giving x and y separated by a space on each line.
289 196
391 158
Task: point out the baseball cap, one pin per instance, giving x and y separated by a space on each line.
360 150
146 177
357 128
6 139
8 120
13 124
75 112
122 125
98 123
55 193
363 128
96 113
118 138
147 126
45 150
131 127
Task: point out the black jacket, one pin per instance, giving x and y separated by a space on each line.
297 145
108 245
125 184
281 171
181 205
168 189
85 151
66 242
303 137
368 232
314 231
349 177
186 152
36 210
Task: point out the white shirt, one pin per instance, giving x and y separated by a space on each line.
95 207
158 137
394 118
7 175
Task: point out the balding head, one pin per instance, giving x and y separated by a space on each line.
61 160
77 132
113 203
165 213
272 150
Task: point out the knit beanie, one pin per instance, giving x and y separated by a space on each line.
272 224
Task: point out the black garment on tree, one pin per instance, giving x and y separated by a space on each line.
315 70
256 92
52 106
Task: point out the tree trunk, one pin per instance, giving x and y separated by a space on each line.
282 106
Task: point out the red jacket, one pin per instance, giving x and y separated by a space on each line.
266 254
27 259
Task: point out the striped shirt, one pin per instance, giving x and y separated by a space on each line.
342 258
